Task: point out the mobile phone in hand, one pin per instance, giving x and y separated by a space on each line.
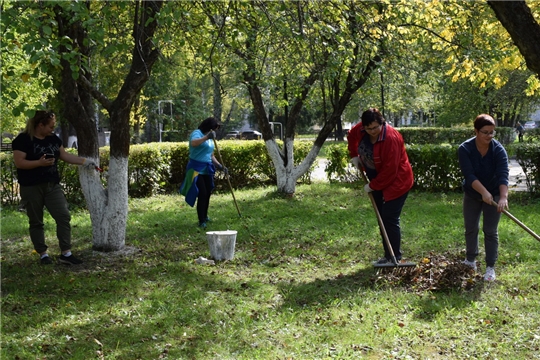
49 156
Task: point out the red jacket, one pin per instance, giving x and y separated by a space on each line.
394 172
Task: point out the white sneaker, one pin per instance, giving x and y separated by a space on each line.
490 274
470 263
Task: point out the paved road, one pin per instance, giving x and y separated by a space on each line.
516 174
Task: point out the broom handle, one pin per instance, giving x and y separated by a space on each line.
523 226
379 219
228 180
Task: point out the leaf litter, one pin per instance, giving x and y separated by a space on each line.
435 272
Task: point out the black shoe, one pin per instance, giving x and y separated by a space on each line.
45 261
69 260
382 261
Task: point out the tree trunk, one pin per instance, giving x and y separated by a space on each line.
524 30
287 174
109 207
283 159
79 111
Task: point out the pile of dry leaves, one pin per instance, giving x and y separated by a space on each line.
437 272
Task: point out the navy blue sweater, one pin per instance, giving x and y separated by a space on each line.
491 169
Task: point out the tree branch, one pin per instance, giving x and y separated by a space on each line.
100 97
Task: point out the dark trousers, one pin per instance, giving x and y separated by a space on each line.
472 210
52 197
204 184
390 213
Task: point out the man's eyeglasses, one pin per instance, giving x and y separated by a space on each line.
373 128
488 133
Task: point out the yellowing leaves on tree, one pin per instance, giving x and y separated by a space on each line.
533 85
468 65
498 82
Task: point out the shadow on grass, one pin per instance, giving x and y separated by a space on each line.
322 292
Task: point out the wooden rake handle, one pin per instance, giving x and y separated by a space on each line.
379 219
228 179
522 225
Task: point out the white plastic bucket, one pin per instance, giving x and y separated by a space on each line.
221 244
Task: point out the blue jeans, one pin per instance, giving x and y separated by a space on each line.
390 213
51 196
472 209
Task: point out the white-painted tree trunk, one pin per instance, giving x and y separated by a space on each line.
108 207
286 173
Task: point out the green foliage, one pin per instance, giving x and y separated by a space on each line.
300 286
9 188
435 167
158 168
338 160
148 170
453 135
528 156
532 136
23 89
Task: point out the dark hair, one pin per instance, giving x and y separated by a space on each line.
208 124
40 117
483 120
371 115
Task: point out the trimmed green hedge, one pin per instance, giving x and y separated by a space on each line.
528 156
435 167
160 167
454 136
156 168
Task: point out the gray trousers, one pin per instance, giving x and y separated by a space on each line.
472 209
51 196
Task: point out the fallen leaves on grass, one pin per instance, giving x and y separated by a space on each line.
437 272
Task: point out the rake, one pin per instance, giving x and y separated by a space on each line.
228 179
394 262
522 225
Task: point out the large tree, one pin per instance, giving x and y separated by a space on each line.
285 50
67 36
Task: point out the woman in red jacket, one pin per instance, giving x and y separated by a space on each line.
379 149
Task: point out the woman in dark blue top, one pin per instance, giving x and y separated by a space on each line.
484 164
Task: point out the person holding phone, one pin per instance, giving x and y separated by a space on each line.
36 152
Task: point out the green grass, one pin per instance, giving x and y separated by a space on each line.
301 285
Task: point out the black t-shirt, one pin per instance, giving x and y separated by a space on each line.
34 149
365 153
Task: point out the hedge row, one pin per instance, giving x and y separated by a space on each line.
436 167
453 136
160 168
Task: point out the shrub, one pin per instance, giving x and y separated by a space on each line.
528 156
156 168
435 167
454 135
9 188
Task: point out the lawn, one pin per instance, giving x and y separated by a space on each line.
301 284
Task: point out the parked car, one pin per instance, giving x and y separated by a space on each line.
533 124
231 135
250 135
